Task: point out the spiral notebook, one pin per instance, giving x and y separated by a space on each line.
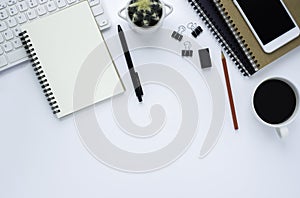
232 32
68 54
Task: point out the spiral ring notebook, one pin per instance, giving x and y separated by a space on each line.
232 32
61 44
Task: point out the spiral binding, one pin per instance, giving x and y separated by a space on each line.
39 71
237 34
205 17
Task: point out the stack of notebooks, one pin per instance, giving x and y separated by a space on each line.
230 29
68 54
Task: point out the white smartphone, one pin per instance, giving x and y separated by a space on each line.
270 21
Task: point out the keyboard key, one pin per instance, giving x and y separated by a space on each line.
22 6
2 26
11 2
51 6
16 31
61 3
71 1
3 14
11 22
13 10
1 39
16 55
2 5
31 14
32 3
43 1
8 34
21 18
94 2
102 22
17 43
41 10
97 10
7 46
3 61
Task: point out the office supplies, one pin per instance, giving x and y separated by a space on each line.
178 35
59 46
205 59
163 42
14 13
133 74
196 30
227 25
229 91
145 16
187 52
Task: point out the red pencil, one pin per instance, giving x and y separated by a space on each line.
233 113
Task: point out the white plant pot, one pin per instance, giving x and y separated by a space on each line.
123 13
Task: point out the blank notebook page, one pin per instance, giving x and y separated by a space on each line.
68 45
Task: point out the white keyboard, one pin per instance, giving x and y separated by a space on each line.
14 13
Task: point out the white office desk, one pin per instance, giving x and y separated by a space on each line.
41 156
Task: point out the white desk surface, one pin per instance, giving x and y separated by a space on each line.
41 156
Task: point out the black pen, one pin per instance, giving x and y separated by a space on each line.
133 74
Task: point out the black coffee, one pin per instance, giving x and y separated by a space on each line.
274 101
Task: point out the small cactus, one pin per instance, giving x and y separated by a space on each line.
145 13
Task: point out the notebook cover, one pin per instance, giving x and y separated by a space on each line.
262 57
69 54
222 32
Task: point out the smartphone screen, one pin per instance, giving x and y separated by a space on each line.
268 18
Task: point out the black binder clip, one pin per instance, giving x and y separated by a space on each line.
187 52
196 30
178 35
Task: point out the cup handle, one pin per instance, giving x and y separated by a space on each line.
282 132
170 9
120 13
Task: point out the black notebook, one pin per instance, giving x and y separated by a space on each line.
214 20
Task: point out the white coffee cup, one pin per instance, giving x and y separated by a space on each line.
281 128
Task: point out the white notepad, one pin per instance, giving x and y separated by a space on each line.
68 53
